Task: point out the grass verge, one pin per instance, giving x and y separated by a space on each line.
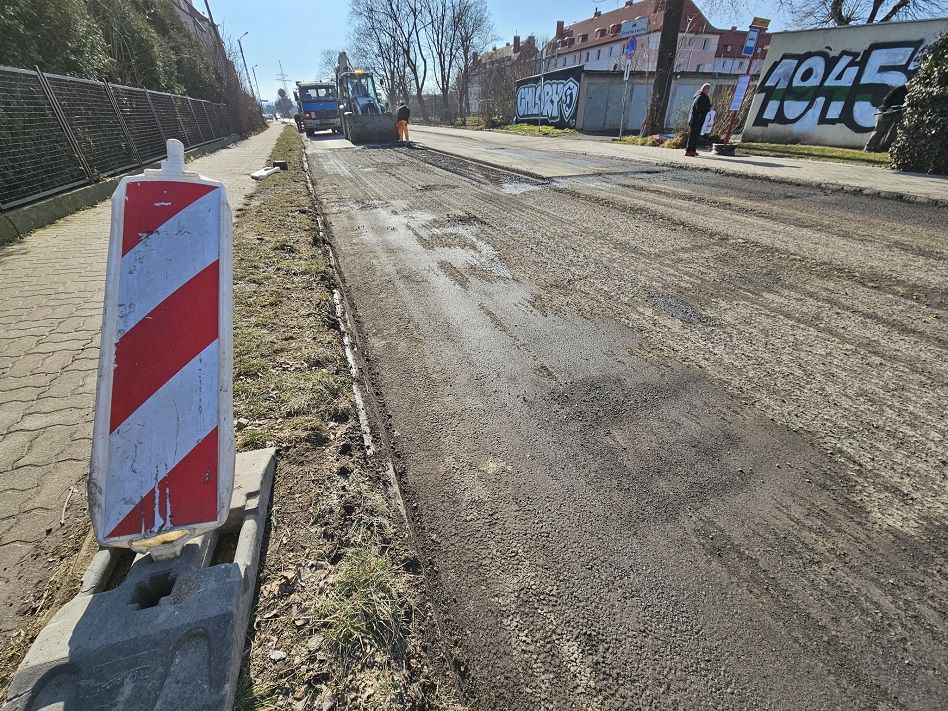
840 155
340 620
531 129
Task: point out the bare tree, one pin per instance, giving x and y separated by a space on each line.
810 13
664 66
442 42
474 33
327 63
392 32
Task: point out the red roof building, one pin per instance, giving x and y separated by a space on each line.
598 43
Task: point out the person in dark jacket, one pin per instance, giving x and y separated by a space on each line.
700 106
402 114
888 119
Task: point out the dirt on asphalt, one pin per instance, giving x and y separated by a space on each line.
668 440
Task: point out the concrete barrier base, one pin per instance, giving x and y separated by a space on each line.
168 636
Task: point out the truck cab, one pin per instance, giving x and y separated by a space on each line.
318 105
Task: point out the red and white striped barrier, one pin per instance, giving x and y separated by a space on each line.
163 441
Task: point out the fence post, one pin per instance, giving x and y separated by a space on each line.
121 120
177 112
210 123
67 129
154 113
196 122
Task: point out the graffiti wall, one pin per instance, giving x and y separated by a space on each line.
553 101
824 86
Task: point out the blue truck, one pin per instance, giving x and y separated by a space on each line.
318 106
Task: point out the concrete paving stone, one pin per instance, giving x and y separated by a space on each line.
56 362
76 397
21 478
73 324
37 422
25 394
14 382
12 501
58 477
6 524
11 554
77 343
15 446
66 385
8 419
31 526
26 365
47 446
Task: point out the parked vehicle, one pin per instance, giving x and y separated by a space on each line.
318 106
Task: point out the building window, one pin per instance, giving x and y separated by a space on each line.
599 53
587 56
574 60
611 47
740 65
699 67
727 48
704 45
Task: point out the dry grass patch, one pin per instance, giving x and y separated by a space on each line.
340 621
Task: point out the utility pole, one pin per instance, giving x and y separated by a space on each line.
247 71
282 76
254 70
664 67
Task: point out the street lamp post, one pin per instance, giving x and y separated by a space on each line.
256 81
246 71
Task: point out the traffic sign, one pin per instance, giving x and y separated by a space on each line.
630 46
163 441
750 42
739 92
632 28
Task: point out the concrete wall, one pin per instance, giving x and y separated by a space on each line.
823 86
600 99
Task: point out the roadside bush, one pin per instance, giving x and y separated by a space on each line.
922 141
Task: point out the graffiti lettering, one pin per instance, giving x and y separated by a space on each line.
815 89
557 104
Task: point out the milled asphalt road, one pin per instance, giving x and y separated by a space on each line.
668 439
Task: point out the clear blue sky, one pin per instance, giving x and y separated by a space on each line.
295 31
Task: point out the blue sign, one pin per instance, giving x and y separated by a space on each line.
750 42
629 51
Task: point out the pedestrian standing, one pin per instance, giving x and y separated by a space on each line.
402 114
700 106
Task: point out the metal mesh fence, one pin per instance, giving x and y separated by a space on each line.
36 156
192 131
197 108
60 132
141 122
167 116
94 123
217 118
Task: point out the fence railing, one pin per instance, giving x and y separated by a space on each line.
58 132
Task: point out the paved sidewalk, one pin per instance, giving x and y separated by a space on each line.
51 290
513 150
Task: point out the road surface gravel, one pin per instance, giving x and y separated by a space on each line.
668 439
